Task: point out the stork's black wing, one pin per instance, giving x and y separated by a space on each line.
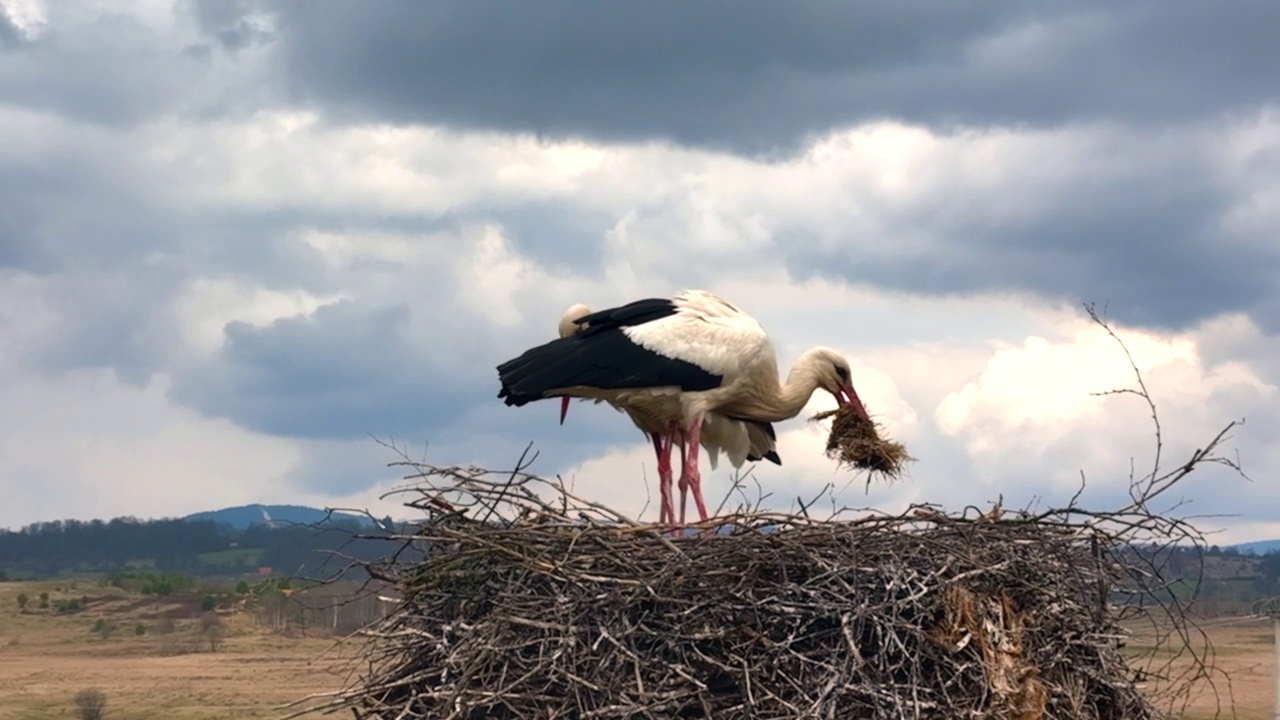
601 356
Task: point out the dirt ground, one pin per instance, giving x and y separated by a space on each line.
45 659
1240 682
232 684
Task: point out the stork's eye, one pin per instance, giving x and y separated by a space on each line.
842 373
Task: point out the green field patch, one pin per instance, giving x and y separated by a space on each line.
231 557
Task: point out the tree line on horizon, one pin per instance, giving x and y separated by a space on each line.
196 547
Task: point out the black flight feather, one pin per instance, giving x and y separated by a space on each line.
601 356
771 456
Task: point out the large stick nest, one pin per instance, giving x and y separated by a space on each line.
533 607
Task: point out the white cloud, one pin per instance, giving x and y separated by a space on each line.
1051 384
990 390
1031 412
28 15
209 304
85 445
26 320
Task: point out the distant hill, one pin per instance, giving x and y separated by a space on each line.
1258 547
246 515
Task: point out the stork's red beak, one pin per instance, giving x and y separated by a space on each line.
848 396
564 408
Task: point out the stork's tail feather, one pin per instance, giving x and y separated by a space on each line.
527 378
771 456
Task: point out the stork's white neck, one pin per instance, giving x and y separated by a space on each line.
777 402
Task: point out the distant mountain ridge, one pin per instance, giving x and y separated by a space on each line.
243 516
1258 547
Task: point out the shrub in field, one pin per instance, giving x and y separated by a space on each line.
90 704
213 630
104 628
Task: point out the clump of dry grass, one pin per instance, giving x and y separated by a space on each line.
855 441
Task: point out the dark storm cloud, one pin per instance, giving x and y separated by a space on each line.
114 71
1151 246
117 320
757 76
117 244
67 206
10 35
110 68
558 236
226 22
345 370
350 369
113 230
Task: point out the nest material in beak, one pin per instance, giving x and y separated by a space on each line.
856 442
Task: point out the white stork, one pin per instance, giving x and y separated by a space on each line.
693 352
740 440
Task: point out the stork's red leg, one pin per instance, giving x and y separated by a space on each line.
664 475
690 472
677 440
684 481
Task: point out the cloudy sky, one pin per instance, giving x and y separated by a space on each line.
238 237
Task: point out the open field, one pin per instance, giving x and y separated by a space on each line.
45 658
1243 681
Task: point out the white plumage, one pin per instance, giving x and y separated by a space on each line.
705 331
739 440
681 362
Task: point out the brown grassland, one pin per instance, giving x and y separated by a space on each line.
1241 682
46 658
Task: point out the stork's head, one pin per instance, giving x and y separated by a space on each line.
569 323
569 326
835 376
